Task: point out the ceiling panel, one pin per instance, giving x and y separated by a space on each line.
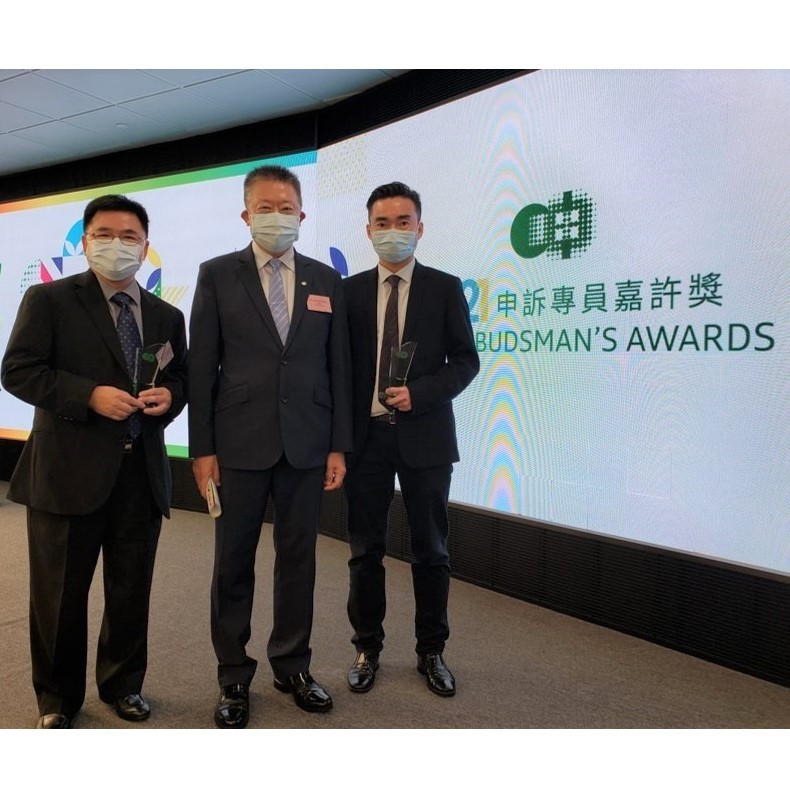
60 134
115 120
15 150
183 77
31 92
56 115
111 85
12 118
181 111
330 84
266 94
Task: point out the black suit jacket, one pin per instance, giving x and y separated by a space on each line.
445 362
63 344
251 399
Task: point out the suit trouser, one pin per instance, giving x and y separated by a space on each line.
296 495
370 487
64 550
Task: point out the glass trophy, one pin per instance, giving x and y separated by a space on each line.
147 363
400 364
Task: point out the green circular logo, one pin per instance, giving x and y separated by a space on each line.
564 227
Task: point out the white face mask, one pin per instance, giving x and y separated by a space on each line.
114 260
273 231
394 246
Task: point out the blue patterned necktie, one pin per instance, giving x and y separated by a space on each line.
129 336
277 303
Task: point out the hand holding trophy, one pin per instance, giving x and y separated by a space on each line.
147 363
400 363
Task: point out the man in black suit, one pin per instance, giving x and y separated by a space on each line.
94 472
269 415
408 430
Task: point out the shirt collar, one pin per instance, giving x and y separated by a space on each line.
262 258
404 274
133 290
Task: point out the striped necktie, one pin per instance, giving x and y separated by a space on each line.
277 303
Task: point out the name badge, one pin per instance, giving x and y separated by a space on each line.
319 302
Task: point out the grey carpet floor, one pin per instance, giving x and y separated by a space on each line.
518 666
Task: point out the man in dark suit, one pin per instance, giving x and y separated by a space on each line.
408 430
269 415
94 473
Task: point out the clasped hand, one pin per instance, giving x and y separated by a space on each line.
118 404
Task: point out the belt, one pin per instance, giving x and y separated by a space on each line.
388 419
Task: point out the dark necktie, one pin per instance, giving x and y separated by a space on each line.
389 337
277 303
129 336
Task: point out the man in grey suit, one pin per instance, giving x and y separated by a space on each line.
406 430
269 415
94 472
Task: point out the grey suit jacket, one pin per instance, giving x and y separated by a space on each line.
63 344
251 398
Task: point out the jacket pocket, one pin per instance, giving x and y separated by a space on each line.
230 397
323 397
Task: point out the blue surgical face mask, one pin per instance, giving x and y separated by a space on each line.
273 231
394 246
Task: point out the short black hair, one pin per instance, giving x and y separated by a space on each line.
395 190
272 173
115 203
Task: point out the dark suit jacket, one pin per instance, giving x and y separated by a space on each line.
63 344
250 398
445 362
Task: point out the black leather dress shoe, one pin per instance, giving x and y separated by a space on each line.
438 676
132 707
362 674
233 708
307 693
54 720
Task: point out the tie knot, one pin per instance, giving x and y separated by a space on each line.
275 264
121 298
393 281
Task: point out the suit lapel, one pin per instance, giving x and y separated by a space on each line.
153 333
251 280
302 285
417 292
91 296
370 314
